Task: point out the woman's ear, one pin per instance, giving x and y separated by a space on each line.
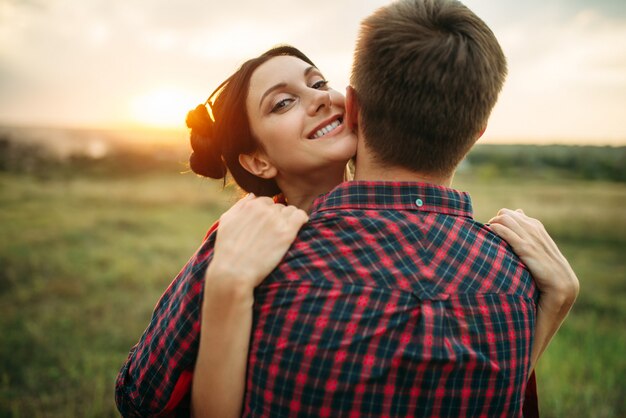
258 165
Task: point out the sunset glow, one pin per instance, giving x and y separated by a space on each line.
138 63
161 108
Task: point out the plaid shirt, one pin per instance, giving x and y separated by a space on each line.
393 301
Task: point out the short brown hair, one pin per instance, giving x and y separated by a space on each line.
427 74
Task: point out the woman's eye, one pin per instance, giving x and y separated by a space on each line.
281 104
320 84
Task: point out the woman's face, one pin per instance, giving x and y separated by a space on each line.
298 118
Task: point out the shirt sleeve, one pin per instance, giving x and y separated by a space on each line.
531 399
155 380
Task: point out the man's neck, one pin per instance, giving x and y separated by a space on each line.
370 170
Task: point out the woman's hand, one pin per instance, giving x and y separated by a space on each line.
555 279
534 246
252 238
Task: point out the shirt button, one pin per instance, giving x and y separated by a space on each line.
419 203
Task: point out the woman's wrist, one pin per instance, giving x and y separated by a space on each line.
555 305
228 285
561 296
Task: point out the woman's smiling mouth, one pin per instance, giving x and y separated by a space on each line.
329 127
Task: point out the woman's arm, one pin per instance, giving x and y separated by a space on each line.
557 283
252 238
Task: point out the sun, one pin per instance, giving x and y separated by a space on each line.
165 107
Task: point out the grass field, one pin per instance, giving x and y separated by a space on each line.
83 261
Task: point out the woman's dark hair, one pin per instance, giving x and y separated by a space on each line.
217 141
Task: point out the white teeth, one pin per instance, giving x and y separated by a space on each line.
326 129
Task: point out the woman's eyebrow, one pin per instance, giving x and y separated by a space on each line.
281 85
309 69
271 89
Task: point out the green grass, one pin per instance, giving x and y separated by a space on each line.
83 261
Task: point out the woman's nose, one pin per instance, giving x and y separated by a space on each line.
319 101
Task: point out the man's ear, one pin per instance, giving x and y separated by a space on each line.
351 118
481 132
258 164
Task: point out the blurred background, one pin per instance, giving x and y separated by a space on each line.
98 210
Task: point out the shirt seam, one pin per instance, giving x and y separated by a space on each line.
448 296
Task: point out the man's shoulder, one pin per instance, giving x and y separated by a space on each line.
436 251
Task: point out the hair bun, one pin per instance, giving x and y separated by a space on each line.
206 158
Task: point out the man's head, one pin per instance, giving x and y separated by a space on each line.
426 75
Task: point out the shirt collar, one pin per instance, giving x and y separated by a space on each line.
380 195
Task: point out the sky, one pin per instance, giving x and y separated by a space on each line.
103 63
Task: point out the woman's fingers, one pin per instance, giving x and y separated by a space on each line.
252 237
526 227
533 238
295 215
507 221
532 243
533 231
506 234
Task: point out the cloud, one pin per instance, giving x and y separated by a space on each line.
567 79
84 61
62 58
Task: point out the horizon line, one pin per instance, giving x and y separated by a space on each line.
486 140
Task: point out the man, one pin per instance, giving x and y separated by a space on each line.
411 307
393 301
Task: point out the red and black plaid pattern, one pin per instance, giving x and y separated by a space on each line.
393 301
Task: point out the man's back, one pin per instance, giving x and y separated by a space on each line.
392 302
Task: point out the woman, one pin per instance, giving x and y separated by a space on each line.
266 122
279 130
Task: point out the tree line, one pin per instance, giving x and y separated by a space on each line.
486 162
